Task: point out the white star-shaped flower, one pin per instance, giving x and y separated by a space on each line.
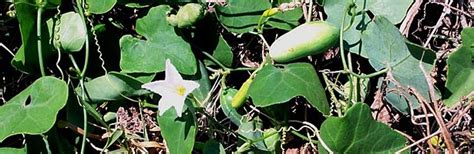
173 89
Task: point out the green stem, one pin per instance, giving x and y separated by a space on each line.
352 12
263 137
39 15
84 114
242 69
347 66
259 25
303 137
146 104
215 60
341 43
86 44
46 143
385 70
74 64
145 132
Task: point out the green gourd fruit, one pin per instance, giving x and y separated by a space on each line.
310 38
187 15
242 94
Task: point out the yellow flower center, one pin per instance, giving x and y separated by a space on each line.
180 90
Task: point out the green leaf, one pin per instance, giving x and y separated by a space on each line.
286 20
33 111
72 34
460 80
352 37
142 77
358 132
278 85
223 53
100 6
148 56
225 100
241 16
179 133
213 147
391 51
204 84
6 150
385 50
26 59
336 10
113 86
395 11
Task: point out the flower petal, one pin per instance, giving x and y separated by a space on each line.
160 87
179 107
168 101
171 73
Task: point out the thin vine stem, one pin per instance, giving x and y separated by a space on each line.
46 143
39 15
294 132
226 69
84 114
215 60
74 64
80 9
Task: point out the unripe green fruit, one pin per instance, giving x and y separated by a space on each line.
187 15
307 39
241 96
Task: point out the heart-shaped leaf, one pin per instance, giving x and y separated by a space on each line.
278 85
358 132
34 110
100 6
460 81
148 56
391 51
179 133
72 32
113 86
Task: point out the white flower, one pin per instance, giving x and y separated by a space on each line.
173 89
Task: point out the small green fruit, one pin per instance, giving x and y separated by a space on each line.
187 15
241 96
307 39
